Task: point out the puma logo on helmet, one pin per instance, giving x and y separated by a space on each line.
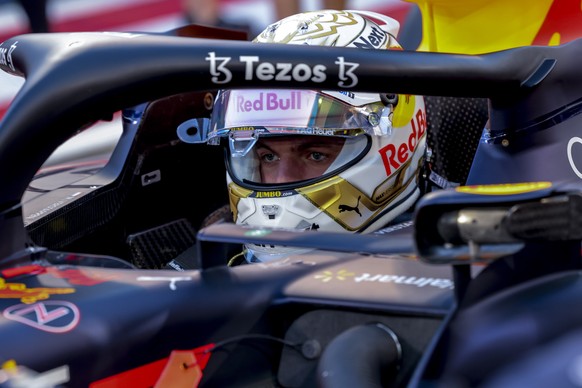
343 208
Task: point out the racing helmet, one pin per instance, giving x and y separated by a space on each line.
360 153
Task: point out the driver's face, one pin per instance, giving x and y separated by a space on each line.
294 158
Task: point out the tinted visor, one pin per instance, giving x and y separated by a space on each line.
282 160
285 136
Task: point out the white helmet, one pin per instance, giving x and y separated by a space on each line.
378 140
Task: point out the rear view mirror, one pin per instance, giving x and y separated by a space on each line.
477 224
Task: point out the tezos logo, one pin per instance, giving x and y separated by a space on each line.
267 71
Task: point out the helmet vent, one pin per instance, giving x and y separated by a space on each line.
270 211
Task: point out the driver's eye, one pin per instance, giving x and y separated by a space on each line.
268 157
317 156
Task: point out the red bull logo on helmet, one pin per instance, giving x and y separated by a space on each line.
395 155
268 101
269 108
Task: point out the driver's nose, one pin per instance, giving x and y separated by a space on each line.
289 171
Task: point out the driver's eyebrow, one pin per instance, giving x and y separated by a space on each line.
297 147
306 144
261 145
324 144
